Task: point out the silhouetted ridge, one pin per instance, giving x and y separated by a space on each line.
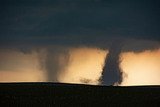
60 94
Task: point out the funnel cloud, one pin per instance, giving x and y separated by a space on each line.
55 64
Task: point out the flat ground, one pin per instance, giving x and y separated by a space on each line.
57 94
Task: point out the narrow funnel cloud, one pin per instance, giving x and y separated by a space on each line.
85 66
57 64
141 68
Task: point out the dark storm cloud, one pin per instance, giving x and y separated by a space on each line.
77 21
116 25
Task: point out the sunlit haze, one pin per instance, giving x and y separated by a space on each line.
141 68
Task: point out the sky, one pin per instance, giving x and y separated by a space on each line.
78 41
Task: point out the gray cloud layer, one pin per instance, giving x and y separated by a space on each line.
77 22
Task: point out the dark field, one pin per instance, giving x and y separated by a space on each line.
56 94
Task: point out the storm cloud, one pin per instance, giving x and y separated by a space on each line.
50 27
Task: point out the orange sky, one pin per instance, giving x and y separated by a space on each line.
16 66
85 66
141 68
